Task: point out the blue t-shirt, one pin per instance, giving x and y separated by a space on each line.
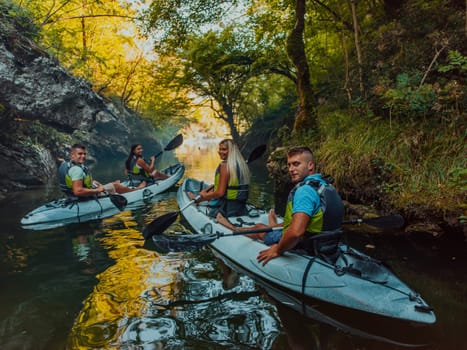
306 200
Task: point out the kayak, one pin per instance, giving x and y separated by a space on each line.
354 280
66 210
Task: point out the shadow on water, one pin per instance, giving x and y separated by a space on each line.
99 285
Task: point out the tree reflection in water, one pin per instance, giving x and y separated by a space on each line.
168 300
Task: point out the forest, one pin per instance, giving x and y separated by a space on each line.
377 88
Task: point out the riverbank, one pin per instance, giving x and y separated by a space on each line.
376 173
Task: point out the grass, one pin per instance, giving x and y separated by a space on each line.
414 167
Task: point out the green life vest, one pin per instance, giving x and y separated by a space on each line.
235 191
136 170
328 217
66 184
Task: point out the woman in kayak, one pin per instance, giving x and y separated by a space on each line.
229 194
137 167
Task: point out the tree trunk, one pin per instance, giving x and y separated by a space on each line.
353 9
347 85
305 117
228 117
83 39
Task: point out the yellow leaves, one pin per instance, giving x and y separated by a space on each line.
100 41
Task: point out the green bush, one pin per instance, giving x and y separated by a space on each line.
407 100
16 18
407 166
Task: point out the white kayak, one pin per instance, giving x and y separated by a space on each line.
66 210
354 280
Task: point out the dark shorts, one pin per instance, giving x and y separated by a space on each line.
228 208
272 237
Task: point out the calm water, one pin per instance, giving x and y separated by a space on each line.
97 285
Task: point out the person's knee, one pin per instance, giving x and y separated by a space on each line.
272 237
111 187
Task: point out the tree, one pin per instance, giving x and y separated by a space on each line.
99 41
217 68
171 22
219 59
305 117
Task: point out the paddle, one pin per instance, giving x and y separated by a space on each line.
390 221
160 224
174 143
119 201
256 153
383 222
201 240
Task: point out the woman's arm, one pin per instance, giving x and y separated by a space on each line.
221 189
148 167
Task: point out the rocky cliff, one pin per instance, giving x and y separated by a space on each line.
44 109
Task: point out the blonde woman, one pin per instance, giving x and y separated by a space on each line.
229 194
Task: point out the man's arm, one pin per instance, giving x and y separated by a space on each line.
289 238
77 186
80 191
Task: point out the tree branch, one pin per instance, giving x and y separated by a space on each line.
88 16
335 15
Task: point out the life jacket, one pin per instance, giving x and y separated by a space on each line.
136 170
329 215
235 191
65 179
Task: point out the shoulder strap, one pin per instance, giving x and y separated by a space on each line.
316 184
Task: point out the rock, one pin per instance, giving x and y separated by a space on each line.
425 228
44 110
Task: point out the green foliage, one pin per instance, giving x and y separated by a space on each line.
221 68
99 41
20 18
457 178
456 62
410 166
408 100
36 133
173 22
360 107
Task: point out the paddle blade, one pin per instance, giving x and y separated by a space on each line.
176 141
386 222
160 224
256 153
178 243
119 201
383 222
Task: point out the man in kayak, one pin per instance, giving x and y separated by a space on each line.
76 180
313 207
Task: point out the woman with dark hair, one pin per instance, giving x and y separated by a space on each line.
139 169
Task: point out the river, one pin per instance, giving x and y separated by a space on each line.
98 285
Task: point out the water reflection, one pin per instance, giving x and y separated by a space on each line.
172 300
98 285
